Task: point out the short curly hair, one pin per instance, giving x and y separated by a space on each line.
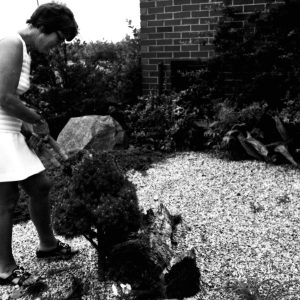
51 17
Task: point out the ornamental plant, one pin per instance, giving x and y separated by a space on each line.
164 122
99 203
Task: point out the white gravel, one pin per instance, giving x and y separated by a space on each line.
243 219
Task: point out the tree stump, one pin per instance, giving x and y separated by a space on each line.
148 261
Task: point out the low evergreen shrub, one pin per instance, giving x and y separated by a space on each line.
99 202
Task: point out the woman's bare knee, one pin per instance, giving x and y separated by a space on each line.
37 186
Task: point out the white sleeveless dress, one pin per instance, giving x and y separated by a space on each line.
17 161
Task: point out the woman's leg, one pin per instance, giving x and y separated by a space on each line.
9 194
38 187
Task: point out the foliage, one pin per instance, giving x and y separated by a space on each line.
262 55
227 115
255 70
82 78
99 203
163 122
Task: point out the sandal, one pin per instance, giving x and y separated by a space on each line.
17 277
62 250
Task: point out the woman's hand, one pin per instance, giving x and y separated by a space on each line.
26 129
41 128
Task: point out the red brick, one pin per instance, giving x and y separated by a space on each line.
199 14
164 54
154 23
174 8
155 10
172 48
182 15
199 1
238 9
173 22
144 11
164 3
192 7
164 29
182 28
207 47
212 20
179 2
172 35
148 42
254 8
165 42
156 36
190 21
242 2
147 17
182 41
148 30
190 34
156 48
164 16
181 54
189 48
209 6
200 41
199 27
147 4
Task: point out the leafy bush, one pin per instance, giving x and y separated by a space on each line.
82 79
163 122
99 203
227 115
262 56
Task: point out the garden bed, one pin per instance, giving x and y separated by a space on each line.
242 217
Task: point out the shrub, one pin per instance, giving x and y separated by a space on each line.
262 56
163 122
100 203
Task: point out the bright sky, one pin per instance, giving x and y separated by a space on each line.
97 19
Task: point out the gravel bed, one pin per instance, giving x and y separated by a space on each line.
243 219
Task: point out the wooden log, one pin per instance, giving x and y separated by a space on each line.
149 264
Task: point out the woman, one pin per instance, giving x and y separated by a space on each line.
48 27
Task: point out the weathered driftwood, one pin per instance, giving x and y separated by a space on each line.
148 261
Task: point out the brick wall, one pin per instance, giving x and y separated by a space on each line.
180 30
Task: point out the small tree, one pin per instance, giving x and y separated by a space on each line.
100 204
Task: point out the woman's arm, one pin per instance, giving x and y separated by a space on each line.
11 59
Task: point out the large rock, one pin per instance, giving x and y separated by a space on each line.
91 132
